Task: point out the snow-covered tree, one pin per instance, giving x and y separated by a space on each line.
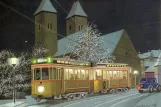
39 50
89 46
22 74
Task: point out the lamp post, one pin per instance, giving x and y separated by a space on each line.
135 74
13 62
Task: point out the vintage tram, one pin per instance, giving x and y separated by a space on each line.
53 77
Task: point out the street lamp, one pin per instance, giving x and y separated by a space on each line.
135 74
13 62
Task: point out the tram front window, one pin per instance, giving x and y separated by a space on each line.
37 74
45 74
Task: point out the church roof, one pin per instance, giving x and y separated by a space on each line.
110 40
47 6
76 10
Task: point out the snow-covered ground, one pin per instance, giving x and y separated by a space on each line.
125 99
9 103
151 101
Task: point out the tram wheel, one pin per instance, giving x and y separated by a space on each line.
38 99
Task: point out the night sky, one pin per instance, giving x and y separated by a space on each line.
140 18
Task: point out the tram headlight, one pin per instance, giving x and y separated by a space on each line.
41 89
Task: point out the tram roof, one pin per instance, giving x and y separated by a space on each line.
111 40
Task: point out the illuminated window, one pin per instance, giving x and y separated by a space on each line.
45 74
66 74
91 75
37 74
66 62
71 74
87 74
83 77
110 74
75 74
104 74
79 74
98 73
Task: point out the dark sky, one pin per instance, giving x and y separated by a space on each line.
140 18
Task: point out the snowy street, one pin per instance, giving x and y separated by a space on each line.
124 99
151 101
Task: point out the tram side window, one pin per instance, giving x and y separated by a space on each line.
45 74
124 74
79 74
71 74
32 74
37 74
104 74
76 75
87 74
51 73
91 75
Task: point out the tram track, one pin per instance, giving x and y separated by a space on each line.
87 100
92 98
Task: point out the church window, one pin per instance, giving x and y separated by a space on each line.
126 53
39 27
80 27
50 25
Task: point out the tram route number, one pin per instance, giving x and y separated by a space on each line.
152 105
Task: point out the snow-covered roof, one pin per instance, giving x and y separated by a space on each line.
156 53
158 62
151 68
148 63
152 53
47 6
145 55
111 40
76 10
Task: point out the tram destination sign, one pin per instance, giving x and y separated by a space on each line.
42 60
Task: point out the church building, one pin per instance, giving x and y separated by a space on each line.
46 31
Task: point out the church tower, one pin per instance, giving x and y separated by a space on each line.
46 26
76 19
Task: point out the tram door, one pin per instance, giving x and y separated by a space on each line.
60 76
